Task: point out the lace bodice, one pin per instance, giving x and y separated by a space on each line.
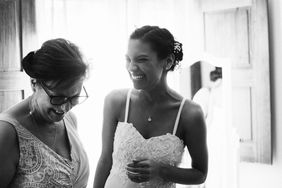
130 145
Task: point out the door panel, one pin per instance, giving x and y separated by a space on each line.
28 19
11 96
238 30
226 35
243 120
9 35
14 83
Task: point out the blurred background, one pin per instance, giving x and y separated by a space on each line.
241 36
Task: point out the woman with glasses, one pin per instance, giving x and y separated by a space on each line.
39 144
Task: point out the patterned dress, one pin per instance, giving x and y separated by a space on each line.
41 167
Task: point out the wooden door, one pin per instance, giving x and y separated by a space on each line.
239 30
15 39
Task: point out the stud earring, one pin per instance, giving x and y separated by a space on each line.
33 82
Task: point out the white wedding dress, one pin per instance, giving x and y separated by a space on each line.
129 144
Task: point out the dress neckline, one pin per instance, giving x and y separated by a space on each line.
41 142
176 120
153 137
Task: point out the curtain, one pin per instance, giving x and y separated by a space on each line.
101 29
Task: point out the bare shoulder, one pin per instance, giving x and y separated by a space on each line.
8 138
192 115
7 131
114 103
192 125
116 98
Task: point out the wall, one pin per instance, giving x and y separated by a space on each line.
253 174
258 175
192 43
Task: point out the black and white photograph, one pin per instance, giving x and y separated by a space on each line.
140 93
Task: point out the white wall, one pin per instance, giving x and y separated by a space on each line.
192 43
258 175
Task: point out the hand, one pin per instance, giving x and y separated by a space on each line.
142 170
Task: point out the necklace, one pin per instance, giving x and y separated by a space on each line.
149 106
149 119
31 111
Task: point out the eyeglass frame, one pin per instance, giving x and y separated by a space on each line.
67 99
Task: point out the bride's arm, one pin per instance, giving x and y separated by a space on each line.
194 130
112 107
195 139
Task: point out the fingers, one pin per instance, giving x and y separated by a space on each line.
139 164
139 160
142 167
138 170
138 178
141 170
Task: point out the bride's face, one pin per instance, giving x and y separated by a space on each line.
143 65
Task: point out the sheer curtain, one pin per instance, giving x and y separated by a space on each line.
101 29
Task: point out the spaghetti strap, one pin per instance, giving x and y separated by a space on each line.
127 105
178 116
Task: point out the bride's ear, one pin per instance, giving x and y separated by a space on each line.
169 62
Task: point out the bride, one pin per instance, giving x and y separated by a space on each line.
146 129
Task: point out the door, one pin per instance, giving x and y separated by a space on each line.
239 30
17 30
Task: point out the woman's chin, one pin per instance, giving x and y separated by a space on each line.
141 87
138 85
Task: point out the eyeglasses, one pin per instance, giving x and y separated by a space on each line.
59 100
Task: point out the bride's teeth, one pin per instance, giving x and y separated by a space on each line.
137 77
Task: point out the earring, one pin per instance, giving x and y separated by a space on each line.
33 82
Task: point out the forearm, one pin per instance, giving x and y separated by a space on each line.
102 173
181 175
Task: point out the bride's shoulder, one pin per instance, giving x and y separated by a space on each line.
114 102
193 112
116 97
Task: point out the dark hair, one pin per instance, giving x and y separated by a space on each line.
216 74
58 60
161 41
